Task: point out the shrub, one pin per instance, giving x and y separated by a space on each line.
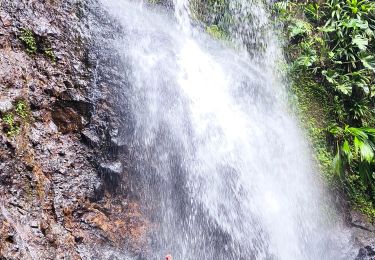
333 44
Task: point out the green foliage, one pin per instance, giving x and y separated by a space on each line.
50 54
22 109
11 128
299 28
355 154
312 11
13 120
32 46
27 37
332 43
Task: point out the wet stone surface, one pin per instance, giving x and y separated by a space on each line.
55 203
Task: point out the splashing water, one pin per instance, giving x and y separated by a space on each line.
225 170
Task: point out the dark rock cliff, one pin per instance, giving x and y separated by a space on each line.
64 185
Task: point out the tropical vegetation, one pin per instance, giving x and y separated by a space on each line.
331 54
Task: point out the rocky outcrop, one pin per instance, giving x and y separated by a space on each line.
63 163
364 235
366 253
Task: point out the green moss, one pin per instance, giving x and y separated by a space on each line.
216 32
22 109
10 128
50 54
28 38
313 110
15 119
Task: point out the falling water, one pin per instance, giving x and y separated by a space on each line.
225 170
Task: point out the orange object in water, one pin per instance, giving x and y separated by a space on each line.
168 257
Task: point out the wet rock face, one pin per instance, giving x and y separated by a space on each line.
63 167
71 116
364 235
366 253
111 172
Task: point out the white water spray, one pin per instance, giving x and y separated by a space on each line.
224 166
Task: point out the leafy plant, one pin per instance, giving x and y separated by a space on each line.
11 129
299 28
22 109
356 153
332 43
50 54
312 10
27 37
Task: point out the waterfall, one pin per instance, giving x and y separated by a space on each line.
225 170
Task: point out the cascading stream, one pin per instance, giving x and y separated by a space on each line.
226 173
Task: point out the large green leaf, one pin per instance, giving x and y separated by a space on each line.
299 27
356 24
368 61
357 144
367 153
357 132
346 150
331 76
360 41
338 164
344 88
306 60
370 131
